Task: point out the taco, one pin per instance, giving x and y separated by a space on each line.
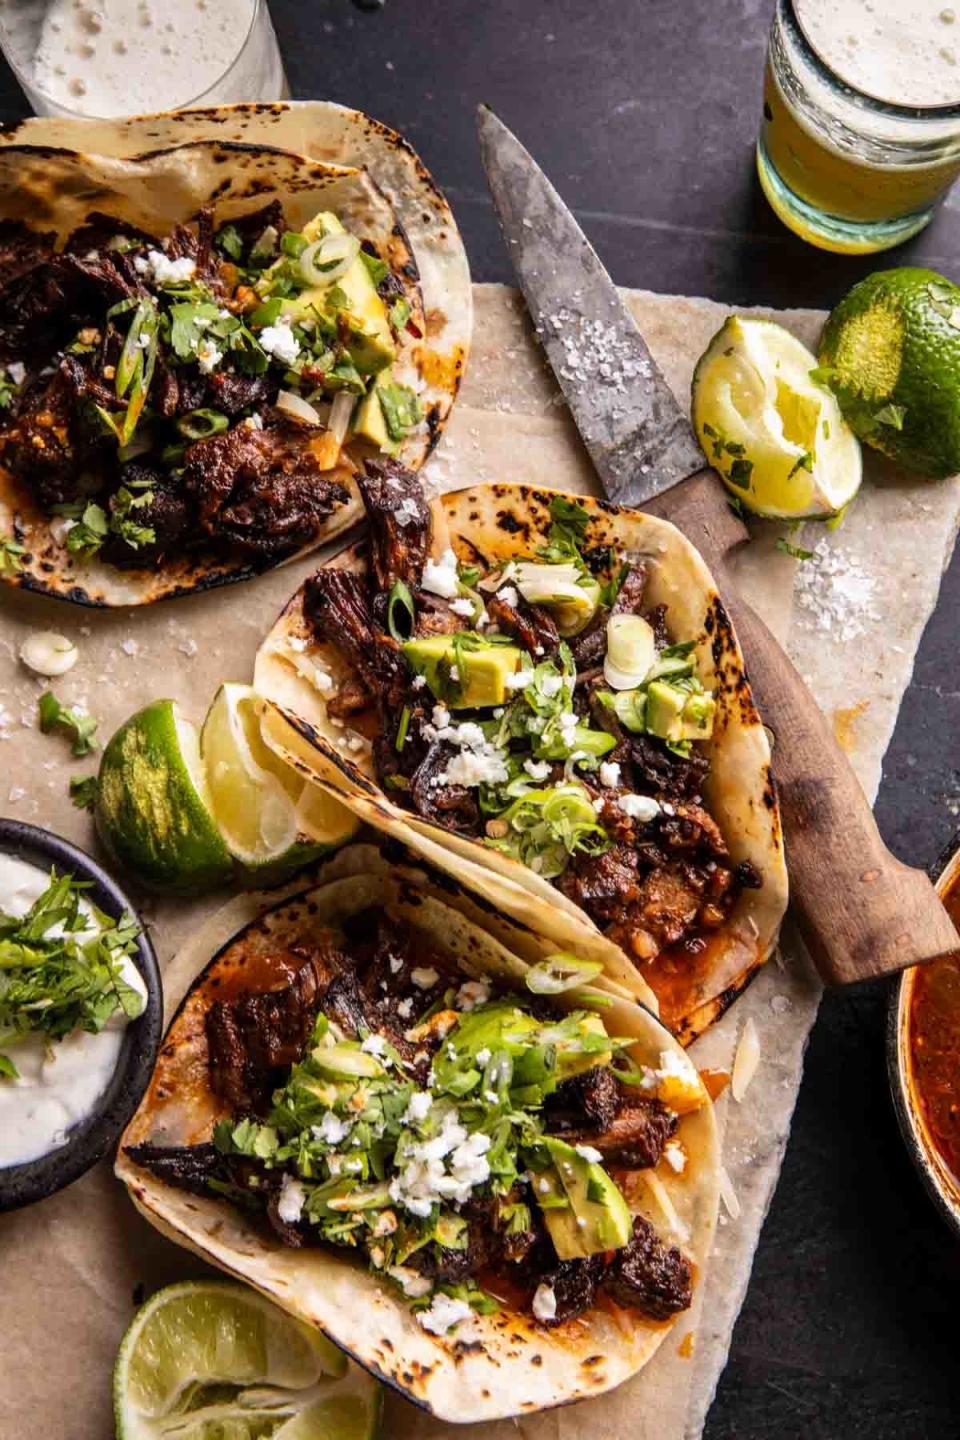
489 1179
549 688
199 346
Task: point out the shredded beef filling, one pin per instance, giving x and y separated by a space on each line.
365 987
666 883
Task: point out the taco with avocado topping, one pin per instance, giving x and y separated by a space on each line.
485 1174
550 689
200 345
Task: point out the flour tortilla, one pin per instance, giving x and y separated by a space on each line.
492 524
508 1365
167 180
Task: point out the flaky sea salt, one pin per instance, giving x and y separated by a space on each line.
835 594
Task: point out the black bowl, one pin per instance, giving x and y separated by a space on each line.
89 1140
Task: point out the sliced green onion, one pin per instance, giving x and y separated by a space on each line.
631 651
560 972
400 612
326 260
403 728
198 424
293 244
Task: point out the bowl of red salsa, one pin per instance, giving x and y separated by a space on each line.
924 1058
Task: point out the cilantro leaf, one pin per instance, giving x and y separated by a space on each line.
83 791
785 547
229 242
376 269
81 728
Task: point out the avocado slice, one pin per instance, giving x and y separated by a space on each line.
369 424
696 722
367 334
483 672
583 1210
664 710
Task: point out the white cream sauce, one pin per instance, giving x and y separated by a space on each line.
60 1081
120 57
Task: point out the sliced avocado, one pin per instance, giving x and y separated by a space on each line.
592 742
367 334
369 424
482 672
595 1216
664 710
696 722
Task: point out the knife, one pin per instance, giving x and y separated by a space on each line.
862 913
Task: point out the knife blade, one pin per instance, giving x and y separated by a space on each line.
862 912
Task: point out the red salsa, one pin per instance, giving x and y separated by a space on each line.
934 1033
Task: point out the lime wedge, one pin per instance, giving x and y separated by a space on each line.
216 1361
153 811
778 439
272 820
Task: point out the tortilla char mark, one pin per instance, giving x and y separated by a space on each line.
373 978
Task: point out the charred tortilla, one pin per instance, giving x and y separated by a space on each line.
370 936
676 853
281 496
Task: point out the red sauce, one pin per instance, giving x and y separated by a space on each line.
934 1037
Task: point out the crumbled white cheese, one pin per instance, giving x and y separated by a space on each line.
551 684
448 1166
331 1130
509 595
418 682
518 681
537 769
473 768
396 964
483 1055
589 1153
440 716
471 994
373 1045
290 1200
675 1156
208 356
418 1107
462 606
405 1008
544 1304
424 977
162 270
639 807
280 342
443 1313
610 774
440 576
411 1282
17 372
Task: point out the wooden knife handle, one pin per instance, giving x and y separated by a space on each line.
861 912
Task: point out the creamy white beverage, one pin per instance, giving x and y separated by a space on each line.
59 1081
117 57
905 52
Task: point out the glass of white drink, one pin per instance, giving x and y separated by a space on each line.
125 57
861 118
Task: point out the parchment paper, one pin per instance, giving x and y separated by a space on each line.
74 1266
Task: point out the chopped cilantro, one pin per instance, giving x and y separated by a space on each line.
399 313
188 323
795 550
803 462
81 728
229 242
60 977
90 529
11 555
83 791
739 474
376 269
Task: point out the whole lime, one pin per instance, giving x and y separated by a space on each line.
890 352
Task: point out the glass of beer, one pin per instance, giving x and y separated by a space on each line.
861 118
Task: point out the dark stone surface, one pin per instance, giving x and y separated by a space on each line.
645 112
